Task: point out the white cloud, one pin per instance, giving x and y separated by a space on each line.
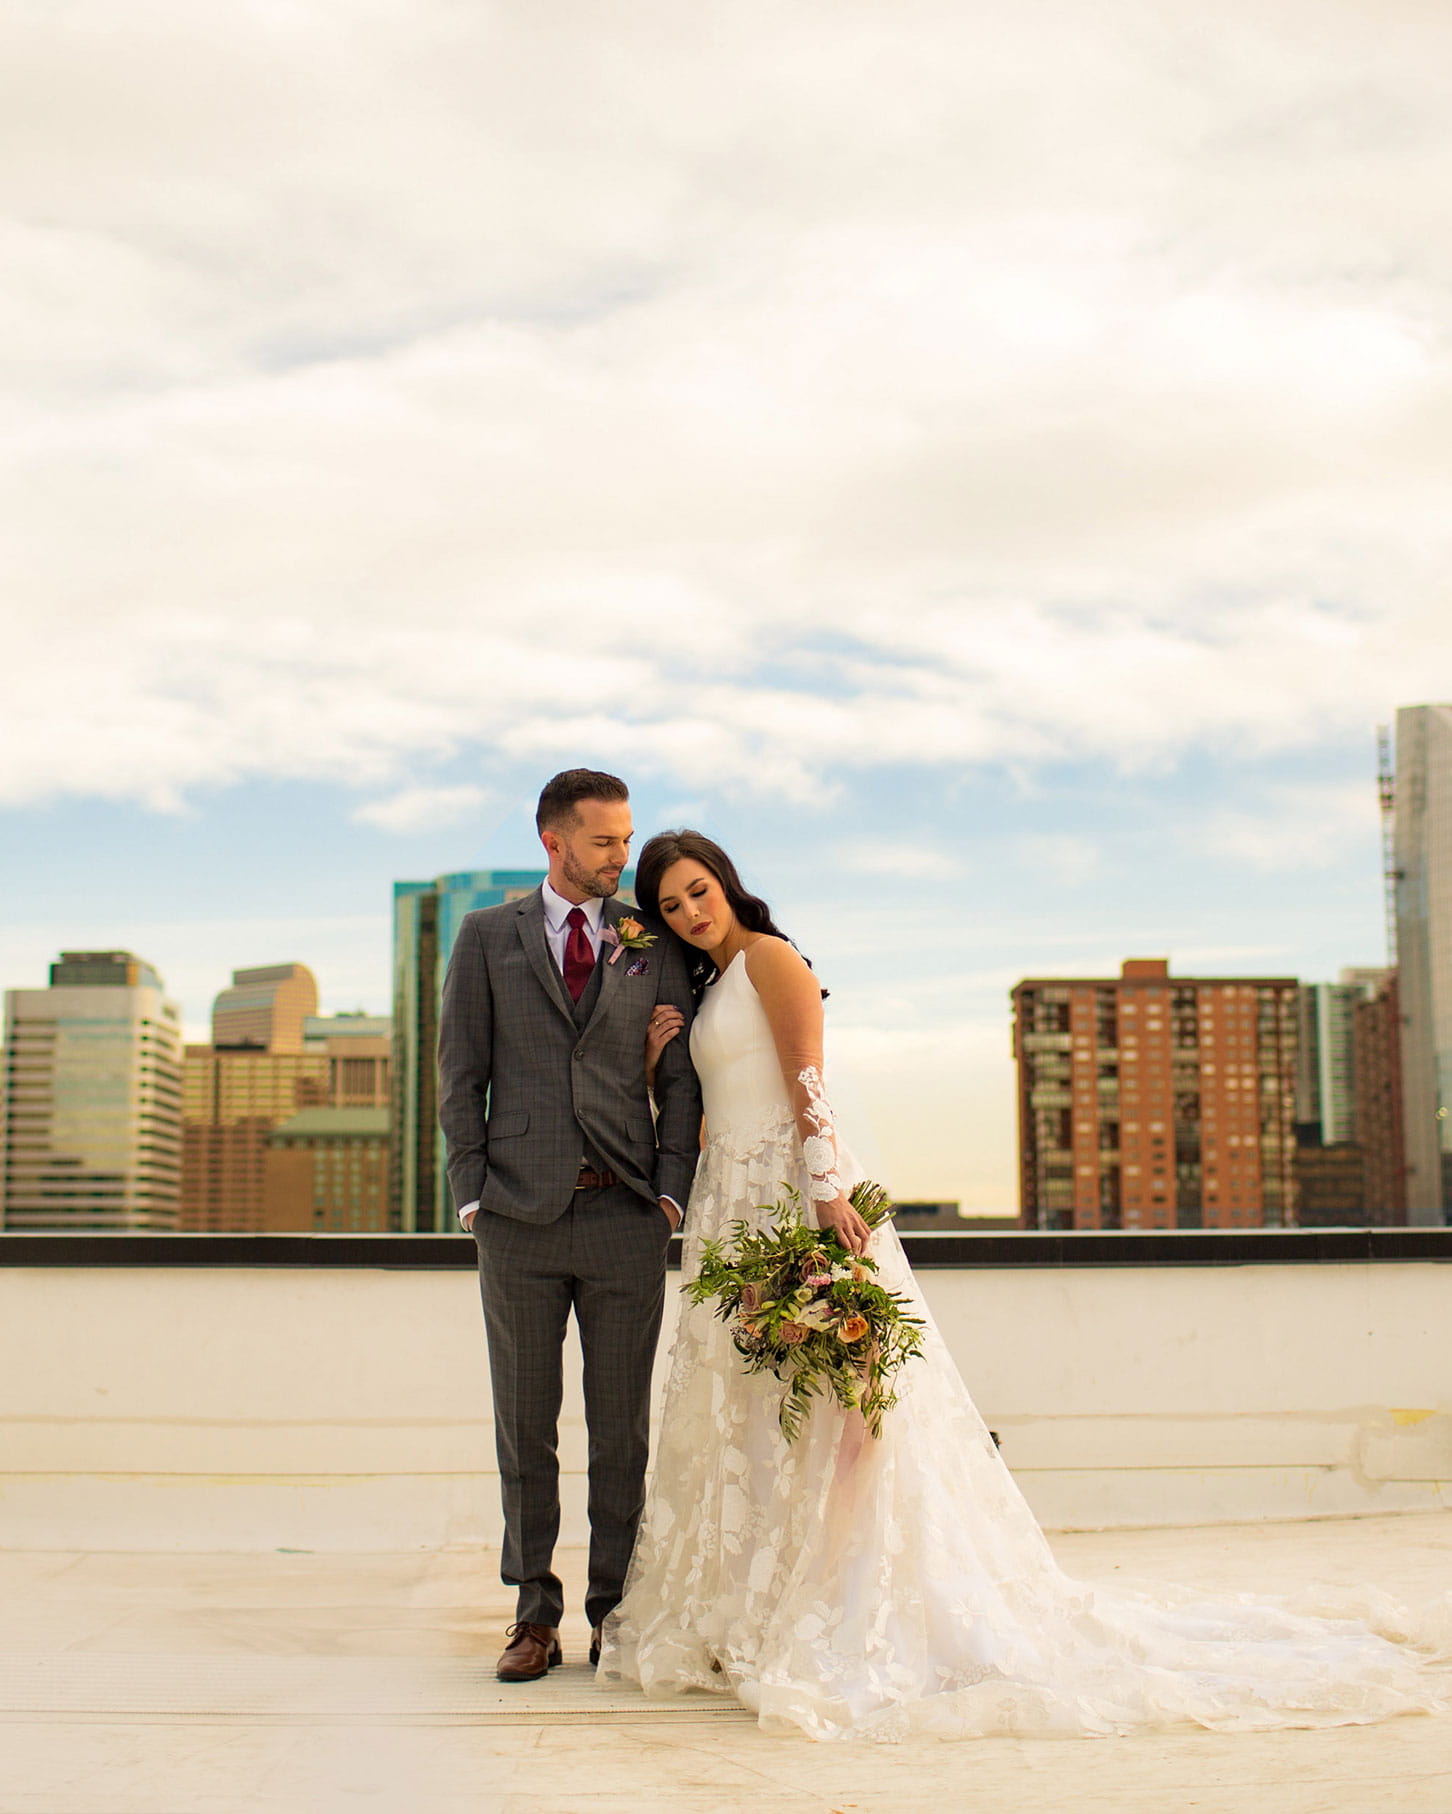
394 381
1061 858
892 861
1303 827
416 809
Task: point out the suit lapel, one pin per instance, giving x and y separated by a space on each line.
532 935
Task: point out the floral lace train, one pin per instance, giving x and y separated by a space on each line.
843 1587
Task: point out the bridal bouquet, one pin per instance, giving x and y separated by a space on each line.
802 1307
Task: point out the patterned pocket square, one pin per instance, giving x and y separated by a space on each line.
641 967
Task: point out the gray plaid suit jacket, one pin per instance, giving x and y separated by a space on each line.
520 1083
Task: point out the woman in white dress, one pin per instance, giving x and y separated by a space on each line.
849 1586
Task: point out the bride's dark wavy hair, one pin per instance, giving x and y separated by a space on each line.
668 847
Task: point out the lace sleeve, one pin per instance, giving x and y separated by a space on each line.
819 1135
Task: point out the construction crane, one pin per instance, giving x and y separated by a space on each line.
1386 791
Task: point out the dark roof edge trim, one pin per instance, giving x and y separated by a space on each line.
967 1252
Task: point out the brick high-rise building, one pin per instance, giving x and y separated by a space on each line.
1330 1182
235 1094
1330 1161
231 1102
1377 1037
1151 1101
327 1170
90 1111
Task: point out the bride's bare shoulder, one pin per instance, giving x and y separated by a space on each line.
773 964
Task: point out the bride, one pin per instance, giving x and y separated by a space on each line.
850 1586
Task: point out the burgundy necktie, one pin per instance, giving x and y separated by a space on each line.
579 958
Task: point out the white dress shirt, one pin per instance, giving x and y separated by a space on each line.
557 911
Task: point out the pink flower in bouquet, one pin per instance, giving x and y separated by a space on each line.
752 1298
790 1334
816 1279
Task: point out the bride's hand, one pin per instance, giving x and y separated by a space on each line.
843 1220
665 1022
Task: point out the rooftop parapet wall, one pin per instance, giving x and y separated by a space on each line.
344 1405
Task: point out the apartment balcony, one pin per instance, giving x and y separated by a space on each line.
248 1517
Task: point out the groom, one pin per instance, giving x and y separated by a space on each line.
570 1186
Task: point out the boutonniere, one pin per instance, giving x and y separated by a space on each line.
627 935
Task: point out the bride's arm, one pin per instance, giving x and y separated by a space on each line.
792 998
666 1020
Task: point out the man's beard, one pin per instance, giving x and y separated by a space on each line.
590 882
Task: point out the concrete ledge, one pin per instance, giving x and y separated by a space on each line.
343 1408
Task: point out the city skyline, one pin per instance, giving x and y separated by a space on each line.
986 467
897 1076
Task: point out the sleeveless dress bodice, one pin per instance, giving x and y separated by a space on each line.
742 1088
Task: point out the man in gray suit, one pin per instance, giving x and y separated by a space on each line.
570 1186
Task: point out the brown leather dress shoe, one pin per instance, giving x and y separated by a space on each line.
533 1650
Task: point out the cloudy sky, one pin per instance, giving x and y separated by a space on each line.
987 464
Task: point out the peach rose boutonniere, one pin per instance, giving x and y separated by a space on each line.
627 935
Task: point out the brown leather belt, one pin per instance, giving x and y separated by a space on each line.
589 1180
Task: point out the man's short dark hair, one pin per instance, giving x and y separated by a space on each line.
559 803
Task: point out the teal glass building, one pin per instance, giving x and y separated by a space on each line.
426 921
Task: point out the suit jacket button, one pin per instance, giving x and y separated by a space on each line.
578 1056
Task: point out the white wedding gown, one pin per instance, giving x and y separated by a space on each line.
848 1586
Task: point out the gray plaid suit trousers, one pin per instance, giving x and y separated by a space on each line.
605 1259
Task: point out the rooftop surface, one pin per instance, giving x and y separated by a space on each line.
309 1683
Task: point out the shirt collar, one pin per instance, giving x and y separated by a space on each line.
557 909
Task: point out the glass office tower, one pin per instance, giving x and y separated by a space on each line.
92 1099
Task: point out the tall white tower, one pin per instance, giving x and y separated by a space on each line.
1424 952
